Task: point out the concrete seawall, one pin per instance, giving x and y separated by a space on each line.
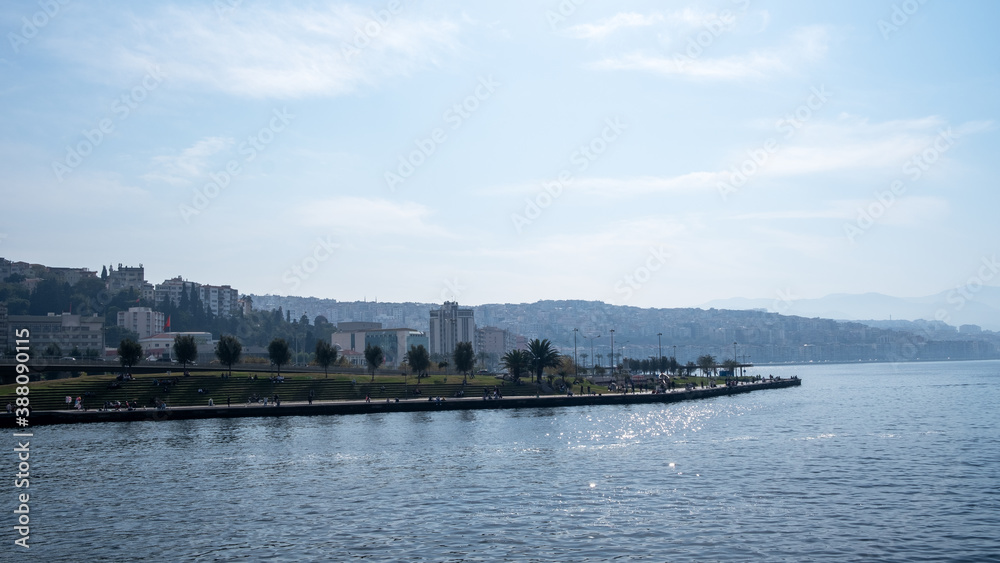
360 407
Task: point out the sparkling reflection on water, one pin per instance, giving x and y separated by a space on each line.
860 463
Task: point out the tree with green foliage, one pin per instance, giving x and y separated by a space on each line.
730 366
279 353
185 349
374 358
465 359
228 350
543 355
326 354
706 364
515 362
129 352
419 360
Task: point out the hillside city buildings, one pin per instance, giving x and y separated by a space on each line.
752 336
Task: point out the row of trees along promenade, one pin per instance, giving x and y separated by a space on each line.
538 370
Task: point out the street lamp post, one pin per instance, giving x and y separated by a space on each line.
612 351
576 370
593 358
659 347
735 359
622 356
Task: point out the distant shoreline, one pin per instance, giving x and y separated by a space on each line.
45 418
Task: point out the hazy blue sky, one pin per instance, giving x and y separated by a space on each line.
643 153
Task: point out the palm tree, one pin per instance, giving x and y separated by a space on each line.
542 356
515 362
374 357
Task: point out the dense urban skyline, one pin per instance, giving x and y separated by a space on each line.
629 153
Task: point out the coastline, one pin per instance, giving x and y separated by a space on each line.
45 418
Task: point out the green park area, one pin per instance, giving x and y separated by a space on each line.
196 389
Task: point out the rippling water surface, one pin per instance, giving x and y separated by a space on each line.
866 462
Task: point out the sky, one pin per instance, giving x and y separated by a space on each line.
655 154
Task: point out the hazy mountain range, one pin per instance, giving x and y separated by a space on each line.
976 305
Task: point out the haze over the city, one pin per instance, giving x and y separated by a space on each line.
640 153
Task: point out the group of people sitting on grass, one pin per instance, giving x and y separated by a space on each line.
117 405
257 399
165 381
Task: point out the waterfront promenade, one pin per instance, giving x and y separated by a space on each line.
303 408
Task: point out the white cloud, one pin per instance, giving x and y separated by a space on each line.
819 147
673 23
613 187
805 45
191 163
260 51
754 65
852 143
606 27
365 217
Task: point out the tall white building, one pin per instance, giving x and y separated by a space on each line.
450 325
142 320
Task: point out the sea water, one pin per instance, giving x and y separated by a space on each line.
862 462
